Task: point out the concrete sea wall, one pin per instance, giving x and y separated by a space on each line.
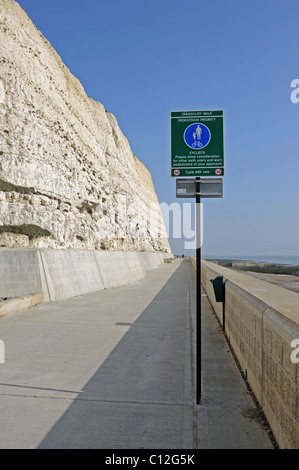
62 274
261 320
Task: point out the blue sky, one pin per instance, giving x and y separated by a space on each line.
143 59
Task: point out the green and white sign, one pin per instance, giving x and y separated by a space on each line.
197 147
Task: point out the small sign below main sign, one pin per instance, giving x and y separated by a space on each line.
209 187
197 147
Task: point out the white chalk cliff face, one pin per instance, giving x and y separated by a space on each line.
68 177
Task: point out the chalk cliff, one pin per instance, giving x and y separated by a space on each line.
68 177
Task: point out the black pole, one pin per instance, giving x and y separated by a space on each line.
223 308
198 293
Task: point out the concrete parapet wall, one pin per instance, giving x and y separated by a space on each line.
61 274
243 326
261 321
280 379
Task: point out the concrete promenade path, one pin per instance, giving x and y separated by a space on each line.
115 370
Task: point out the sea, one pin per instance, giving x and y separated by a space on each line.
269 259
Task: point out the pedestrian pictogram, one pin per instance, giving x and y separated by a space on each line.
197 136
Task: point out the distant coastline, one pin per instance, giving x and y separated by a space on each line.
284 274
267 259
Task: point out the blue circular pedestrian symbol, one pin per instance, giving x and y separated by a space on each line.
197 136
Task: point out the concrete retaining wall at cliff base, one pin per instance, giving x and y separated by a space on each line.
62 274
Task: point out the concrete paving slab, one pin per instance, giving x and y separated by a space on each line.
115 369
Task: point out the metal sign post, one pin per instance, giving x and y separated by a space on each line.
198 188
198 294
197 150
